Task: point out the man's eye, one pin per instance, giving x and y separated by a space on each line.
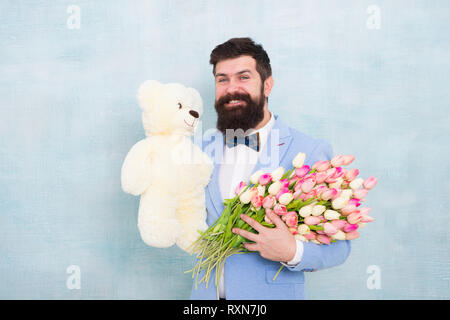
244 77
222 80
179 105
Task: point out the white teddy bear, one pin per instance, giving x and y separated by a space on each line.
167 169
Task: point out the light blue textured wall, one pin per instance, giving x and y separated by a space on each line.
68 116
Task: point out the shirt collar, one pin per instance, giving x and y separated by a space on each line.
266 128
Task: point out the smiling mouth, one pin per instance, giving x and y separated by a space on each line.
234 103
190 125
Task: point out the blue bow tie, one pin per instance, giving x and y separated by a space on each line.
252 141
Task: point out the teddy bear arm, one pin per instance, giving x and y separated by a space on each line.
137 168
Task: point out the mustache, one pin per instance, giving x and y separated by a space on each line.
236 96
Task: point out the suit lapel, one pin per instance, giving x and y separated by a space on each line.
275 149
212 189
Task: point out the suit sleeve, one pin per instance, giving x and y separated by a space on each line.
321 256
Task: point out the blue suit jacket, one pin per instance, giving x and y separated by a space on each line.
249 276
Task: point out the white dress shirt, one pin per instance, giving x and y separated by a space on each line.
237 165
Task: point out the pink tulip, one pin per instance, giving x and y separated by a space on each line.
323 239
329 194
320 232
269 201
348 159
291 219
331 175
339 172
306 196
312 220
282 190
352 235
337 160
354 217
265 179
329 228
302 171
280 209
350 227
257 201
367 219
321 177
349 208
298 185
240 187
339 224
351 174
310 235
293 230
321 165
319 190
355 202
370 182
285 183
308 184
360 193
364 211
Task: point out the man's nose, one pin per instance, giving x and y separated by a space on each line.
193 113
233 87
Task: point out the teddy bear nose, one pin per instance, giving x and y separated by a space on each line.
193 113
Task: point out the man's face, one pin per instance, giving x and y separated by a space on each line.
240 95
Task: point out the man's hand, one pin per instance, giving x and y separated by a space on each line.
277 244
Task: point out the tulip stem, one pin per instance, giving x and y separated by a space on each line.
277 273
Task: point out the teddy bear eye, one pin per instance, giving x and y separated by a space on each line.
180 106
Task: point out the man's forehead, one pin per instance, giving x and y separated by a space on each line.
235 65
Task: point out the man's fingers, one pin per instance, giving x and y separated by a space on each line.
276 220
246 234
252 222
250 246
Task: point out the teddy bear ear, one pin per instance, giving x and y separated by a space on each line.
147 93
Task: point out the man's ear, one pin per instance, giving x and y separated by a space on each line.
147 94
268 85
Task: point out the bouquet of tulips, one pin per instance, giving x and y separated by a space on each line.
319 204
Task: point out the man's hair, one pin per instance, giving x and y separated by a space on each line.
237 47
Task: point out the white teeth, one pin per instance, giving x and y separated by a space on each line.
234 101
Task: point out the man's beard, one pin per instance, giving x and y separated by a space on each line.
241 117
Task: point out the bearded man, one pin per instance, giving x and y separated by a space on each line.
250 137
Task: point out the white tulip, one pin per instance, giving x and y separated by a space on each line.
340 235
246 197
274 188
303 229
305 211
361 224
357 183
285 198
347 193
318 210
255 176
337 184
299 160
300 237
339 203
331 215
315 241
277 173
261 190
